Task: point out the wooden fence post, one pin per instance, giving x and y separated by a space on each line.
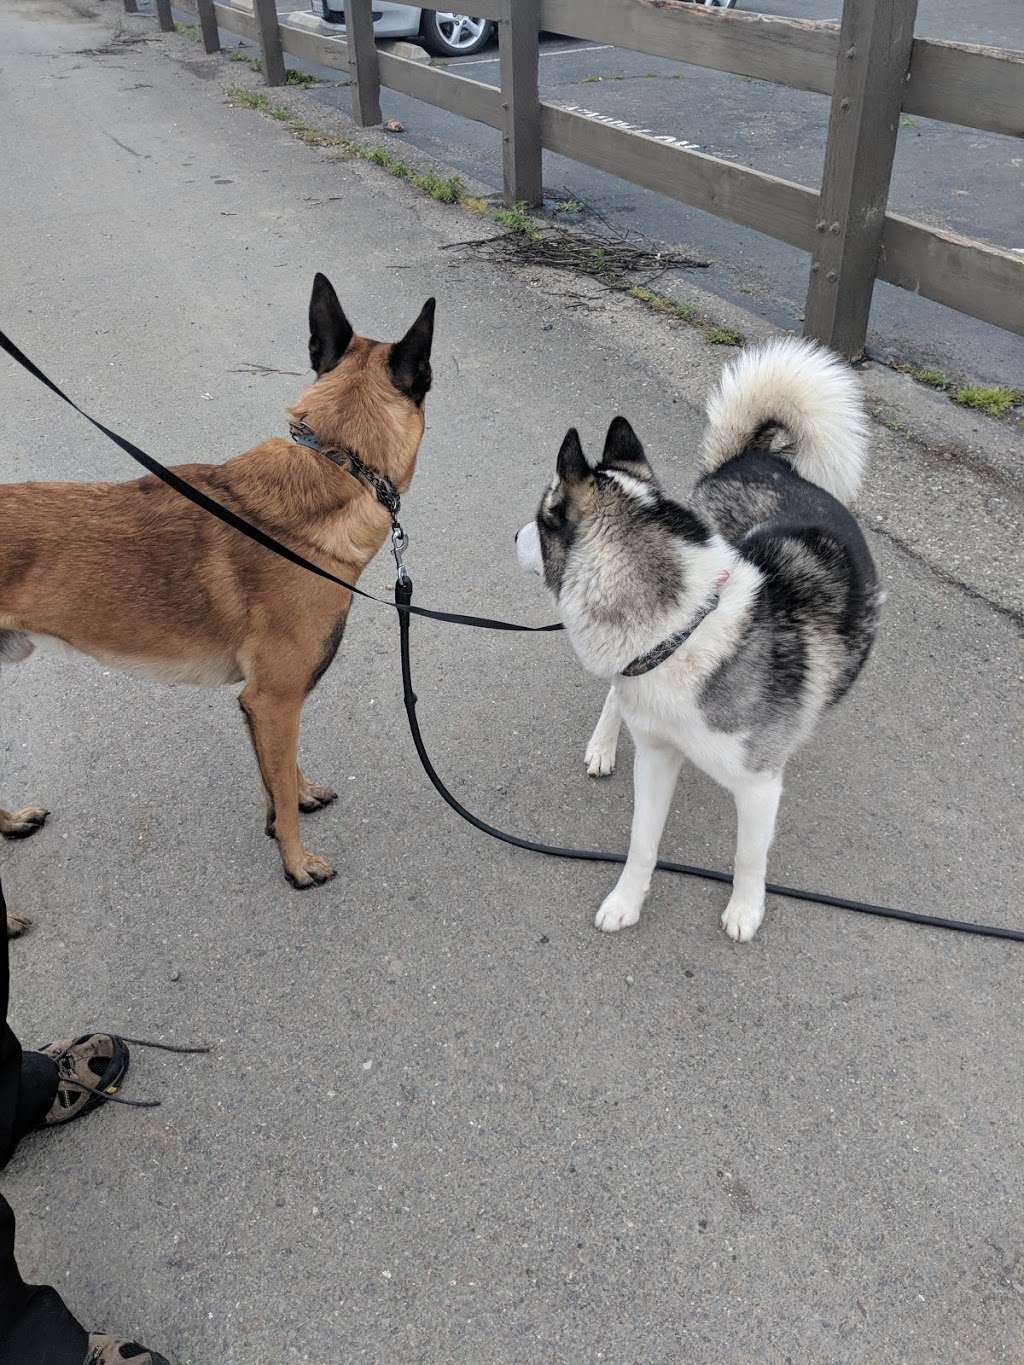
362 63
875 42
208 21
163 13
522 152
274 71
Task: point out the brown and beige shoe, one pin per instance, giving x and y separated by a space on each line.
90 1070
108 1350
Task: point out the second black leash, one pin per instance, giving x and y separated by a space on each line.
403 598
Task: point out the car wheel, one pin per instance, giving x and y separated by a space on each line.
447 33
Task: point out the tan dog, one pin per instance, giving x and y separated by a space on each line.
137 577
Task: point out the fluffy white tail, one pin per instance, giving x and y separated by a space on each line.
809 392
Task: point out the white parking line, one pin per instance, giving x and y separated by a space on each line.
559 52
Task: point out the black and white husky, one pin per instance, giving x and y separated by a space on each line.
726 626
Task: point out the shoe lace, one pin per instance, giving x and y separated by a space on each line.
66 1069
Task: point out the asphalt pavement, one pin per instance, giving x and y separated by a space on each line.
444 1119
953 178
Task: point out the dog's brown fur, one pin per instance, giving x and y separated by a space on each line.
136 576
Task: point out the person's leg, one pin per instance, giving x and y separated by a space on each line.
28 1080
35 1326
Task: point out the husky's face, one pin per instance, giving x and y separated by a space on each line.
580 498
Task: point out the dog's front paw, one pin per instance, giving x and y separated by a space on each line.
21 823
309 870
616 912
600 757
742 919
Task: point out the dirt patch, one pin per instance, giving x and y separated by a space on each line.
206 71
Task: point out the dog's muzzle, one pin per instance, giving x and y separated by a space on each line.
528 548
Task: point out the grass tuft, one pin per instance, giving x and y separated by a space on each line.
249 99
253 63
517 219
995 400
446 190
724 336
658 303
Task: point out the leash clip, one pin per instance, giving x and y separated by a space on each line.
399 545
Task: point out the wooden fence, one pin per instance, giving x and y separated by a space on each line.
871 65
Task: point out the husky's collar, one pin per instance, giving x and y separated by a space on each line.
643 663
379 484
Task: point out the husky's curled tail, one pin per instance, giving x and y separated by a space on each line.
810 394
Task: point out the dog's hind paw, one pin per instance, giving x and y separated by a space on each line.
742 919
616 913
20 824
310 870
314 797
599 758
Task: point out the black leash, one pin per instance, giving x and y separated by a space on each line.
238 523
403 594
404 608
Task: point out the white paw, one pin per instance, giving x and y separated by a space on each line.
599 758
616 913
742 919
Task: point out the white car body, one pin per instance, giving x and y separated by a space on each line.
396 21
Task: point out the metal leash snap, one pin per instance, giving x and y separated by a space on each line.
399 545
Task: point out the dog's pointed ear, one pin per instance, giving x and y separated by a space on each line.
329 329
409 362
571 465
622 450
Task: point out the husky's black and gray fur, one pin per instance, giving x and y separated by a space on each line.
768 539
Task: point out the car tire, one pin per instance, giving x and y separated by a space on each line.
444 36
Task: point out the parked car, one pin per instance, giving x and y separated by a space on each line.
445 33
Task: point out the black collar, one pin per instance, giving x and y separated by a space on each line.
643 663
379 484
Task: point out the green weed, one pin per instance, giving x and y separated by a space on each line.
249 99
658 303
253 63
517 219
723 336
446 190
995 400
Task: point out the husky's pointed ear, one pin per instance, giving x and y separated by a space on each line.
571 465
409 362
622 450
329 329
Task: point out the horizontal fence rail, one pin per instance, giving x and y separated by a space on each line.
977 87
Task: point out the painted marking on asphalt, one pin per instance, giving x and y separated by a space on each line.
559 52
665 138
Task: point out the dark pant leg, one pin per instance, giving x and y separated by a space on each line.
28 1080
35 1327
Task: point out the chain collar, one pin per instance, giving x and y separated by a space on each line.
379 485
